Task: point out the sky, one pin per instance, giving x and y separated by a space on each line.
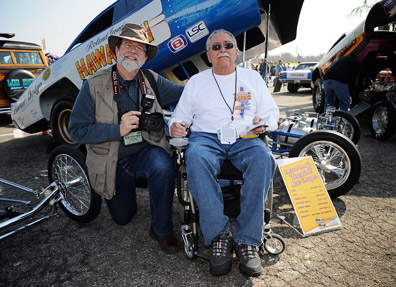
59 22
321 23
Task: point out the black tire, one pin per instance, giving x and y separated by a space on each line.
67 165
318 97
348 126
292 88
16 82
60 116
383 120
336 158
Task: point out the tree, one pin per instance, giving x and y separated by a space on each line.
365 8
358 11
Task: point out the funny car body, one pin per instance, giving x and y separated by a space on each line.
373 43
179 28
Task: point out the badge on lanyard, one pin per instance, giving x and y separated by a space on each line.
228 134
133 138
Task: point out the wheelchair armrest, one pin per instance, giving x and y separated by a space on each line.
179 143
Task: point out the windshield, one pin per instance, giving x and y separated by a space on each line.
304 66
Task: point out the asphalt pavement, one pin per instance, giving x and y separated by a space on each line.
62 252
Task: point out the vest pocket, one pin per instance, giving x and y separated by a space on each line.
96 163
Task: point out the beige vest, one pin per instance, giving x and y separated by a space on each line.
102 158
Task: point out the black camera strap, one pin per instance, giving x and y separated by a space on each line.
116 90
153 83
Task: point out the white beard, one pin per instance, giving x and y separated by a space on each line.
128 65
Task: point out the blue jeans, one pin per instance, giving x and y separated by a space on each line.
204 157
335 89
154 164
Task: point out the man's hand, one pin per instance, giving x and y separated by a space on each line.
129 121
178 130
259 129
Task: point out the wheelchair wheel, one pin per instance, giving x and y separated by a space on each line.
274 244
66 164
336 158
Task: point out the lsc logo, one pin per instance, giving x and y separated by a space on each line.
197 31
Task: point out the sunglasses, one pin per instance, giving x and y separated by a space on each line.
227 46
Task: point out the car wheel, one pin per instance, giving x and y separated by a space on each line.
383 120
348 125
318 97
292 88
60 117
336 157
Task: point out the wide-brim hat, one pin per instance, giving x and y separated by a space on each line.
136 33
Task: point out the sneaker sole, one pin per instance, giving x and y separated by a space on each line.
248 272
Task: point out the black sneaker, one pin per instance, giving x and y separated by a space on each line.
220 259
250 262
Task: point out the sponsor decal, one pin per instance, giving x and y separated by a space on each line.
177 44
197 31
34 91
15 84
46 74
94 61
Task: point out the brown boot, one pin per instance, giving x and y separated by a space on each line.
168 243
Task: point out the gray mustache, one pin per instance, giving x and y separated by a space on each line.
222 55
131 55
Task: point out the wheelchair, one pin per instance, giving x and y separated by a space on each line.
231 181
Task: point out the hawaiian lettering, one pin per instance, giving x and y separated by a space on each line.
99 58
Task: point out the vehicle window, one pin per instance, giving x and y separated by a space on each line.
133 4
31 58
5 57
95 27
304 66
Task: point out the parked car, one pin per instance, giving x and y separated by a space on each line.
20 64
299 77
373 43
179 28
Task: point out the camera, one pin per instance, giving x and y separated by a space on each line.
151 121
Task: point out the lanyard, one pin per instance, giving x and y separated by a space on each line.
233 106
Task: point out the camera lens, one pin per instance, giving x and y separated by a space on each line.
152 122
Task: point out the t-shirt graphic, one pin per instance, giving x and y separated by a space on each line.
242 99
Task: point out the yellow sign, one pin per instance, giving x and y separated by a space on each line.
312 203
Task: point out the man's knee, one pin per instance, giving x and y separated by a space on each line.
262 159
123 218
199 157
164 165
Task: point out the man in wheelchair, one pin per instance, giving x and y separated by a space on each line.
225 108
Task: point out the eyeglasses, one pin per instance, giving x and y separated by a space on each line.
227 46
139 49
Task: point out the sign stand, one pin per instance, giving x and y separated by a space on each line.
311 202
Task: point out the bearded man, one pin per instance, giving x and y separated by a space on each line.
113 116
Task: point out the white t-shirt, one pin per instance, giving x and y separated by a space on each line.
202 103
